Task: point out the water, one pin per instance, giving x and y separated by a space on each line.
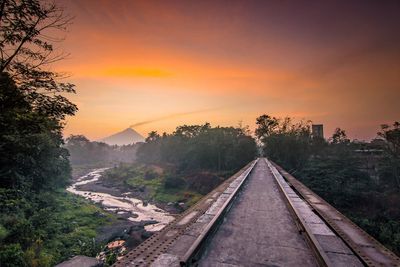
122 204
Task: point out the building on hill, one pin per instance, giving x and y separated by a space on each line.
317 130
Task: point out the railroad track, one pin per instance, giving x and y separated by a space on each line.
327 247
180 241
368 250
333 239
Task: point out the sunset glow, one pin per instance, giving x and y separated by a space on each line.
224 62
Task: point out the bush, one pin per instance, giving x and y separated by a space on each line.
174 182
11 255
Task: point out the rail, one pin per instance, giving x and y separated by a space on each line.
318 251
365 247
201 219
333 238
190 255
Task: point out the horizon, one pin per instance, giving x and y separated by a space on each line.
332 63
101 139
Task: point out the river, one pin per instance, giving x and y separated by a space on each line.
122 204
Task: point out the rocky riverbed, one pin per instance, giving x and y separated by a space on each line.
122 203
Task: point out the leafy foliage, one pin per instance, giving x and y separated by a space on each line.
26 49
284 141
48 228
200 147
390 167
31 98
193 159
31 156
39 225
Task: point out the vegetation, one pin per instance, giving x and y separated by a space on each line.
48 228
359 179
40 224
390 166
153 183
27 33
84 152
284 140
200 147
184 165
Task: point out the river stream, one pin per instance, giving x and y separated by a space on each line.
135 208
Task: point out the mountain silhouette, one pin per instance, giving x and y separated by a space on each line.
126 137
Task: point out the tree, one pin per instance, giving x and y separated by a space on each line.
33 161
339 137
31 156
32 104
336 171
83 151
391 163
284 141
190 131
26 49
392 137
153 136
200 147
266 125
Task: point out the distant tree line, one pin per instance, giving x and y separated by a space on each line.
360 179
200 147
82 151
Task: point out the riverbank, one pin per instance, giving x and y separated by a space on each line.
61 224
107 186
121 203
87 229
134 222
142 197
162 186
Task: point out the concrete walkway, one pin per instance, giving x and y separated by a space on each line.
258 230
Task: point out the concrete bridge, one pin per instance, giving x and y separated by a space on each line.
261 216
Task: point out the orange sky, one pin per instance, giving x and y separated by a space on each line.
225 62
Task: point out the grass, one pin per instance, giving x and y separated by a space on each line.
158 185
72 228
139 181
48 228
159 193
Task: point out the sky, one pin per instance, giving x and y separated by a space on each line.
169 63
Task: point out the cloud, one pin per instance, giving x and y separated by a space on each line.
171 116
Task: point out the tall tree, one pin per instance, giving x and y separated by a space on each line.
284 141
266 125
32 104
339 137
200 147
33 161
391 163
26 49
31 156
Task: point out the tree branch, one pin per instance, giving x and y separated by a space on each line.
23 41
2 6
